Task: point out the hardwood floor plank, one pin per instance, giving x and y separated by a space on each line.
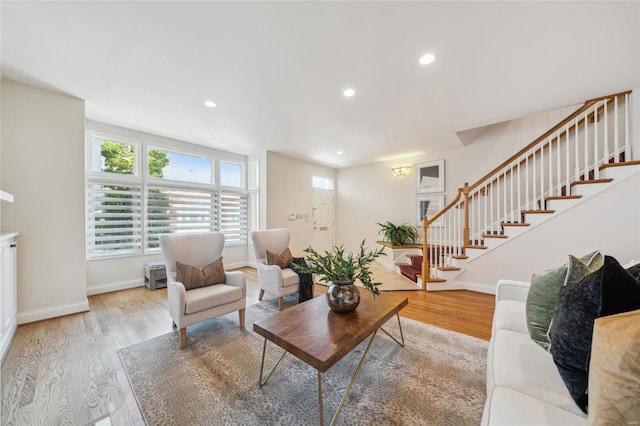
67 370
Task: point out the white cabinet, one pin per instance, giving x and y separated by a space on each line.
8 290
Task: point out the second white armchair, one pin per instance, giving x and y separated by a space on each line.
271 278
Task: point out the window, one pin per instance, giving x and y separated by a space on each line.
176 166
234 217
127 211
110 156
114 222
322 183
231 174
172 211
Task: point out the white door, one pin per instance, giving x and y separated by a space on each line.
322 220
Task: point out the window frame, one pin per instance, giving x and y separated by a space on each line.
243 174
145 182
213 159
137 148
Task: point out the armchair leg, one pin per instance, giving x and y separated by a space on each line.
280 303
241 313
183 337
261 294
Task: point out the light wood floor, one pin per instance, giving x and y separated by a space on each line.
67 370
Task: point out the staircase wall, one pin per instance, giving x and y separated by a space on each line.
608 221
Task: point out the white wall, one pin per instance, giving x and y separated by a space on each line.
111 274
42 166
290 190
371 193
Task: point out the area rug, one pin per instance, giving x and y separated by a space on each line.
438 378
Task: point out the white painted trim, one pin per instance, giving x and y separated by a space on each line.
6 197
480 288
241 264
57 311
117 286
7 339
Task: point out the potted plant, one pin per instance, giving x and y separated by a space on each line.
342 269
398 234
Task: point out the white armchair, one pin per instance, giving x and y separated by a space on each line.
200 304
271 278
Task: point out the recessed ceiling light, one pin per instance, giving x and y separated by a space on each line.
210 104
349 92
339 153
426 59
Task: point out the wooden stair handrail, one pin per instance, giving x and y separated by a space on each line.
587 104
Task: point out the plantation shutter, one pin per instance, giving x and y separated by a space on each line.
234 217
113 220
171 210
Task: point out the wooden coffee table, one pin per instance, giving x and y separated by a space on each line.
321 337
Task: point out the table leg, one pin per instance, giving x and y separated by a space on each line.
264 350
346 393
401 335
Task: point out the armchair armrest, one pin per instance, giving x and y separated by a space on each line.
237 279
512 290
176 297
269 277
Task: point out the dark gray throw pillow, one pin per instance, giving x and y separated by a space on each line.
609 290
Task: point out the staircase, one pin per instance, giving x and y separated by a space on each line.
575 160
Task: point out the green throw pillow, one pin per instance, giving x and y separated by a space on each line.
544 289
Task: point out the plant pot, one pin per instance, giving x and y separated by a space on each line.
343 296
397 239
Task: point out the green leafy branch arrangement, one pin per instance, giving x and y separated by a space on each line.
335 265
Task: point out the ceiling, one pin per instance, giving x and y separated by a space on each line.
277 70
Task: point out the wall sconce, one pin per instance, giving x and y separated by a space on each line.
401 171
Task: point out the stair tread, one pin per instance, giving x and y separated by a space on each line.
474 246
515 224
563 197
538 211
433 279
586 182
494 236
448 268
413 255
460 257
621 164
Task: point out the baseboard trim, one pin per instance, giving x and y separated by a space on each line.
7 339
110 287
237 265
56 311
480 288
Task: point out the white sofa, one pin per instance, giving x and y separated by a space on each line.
523 383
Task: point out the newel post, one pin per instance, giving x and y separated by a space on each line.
425 253
465 235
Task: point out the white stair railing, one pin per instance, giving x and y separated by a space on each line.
571 151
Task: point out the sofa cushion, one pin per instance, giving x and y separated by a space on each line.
517 362
203 298
289 277
614 370
192 277
509 315
543 293
610 290
508 407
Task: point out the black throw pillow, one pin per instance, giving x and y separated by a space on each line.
610 290
635 271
